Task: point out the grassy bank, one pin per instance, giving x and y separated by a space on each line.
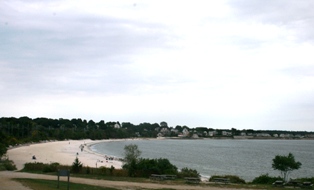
40 184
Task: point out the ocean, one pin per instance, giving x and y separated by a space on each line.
245 158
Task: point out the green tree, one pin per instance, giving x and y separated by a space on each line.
285 164
76 166
3 150
163 124
131 155
145 167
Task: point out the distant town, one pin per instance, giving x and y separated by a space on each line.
202 132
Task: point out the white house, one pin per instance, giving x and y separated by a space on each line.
185 132
225 133
117 126
212 133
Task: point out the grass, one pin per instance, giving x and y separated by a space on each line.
47 184
41 184
108 177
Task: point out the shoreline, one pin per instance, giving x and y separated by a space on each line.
63 152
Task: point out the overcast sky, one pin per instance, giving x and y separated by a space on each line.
220 64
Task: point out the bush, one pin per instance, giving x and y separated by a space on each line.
187 172
7 165
265 179
145 167
36 166
2 168
102 170
87 170
53 167
3 149
41 167
120 173
232 178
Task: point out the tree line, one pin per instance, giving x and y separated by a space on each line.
24 129
14 131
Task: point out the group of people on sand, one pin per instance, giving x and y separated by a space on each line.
82 147
110 158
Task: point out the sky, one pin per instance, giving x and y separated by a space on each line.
217 64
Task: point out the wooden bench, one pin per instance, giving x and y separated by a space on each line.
307 184
192 180
156 177
170 177
293 183
278 183
221 180
162 177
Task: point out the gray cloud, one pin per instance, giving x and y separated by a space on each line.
56 53
296 16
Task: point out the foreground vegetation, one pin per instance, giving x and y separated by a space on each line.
261 182
40 184
140 170
6 164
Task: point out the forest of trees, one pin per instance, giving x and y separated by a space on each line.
20 130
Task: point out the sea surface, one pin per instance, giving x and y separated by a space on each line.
245 158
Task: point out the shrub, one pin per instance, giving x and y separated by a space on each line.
187 172
2 168
53 167
3 149
7 165
87 170
103 170
145 167
120 173
265 179
41 167
36 166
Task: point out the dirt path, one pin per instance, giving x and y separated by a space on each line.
7 176
6 183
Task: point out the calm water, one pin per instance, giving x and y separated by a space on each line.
244 158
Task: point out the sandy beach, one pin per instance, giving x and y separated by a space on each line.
63 152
